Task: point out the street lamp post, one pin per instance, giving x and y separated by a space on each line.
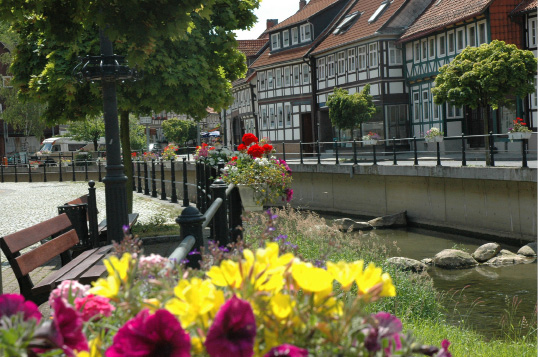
108 68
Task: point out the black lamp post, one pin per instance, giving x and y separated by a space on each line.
108 68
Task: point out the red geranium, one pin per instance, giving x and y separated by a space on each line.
133 154
249 138
256 151
268 148
234 158
241 147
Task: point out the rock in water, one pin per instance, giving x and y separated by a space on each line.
528 250
506 257
407 264
393 220
454 259
349 224
486 252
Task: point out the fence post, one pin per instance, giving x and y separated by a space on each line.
438 144
524 153
132 170
415 149
99 169
491 146
92 215
375 157
394 162
301 151
153 181
336 151
173 199
45 172
236 223
29 173
2 170
207 183
185 187
354 152
190 223
16 177
86 169
146 179
198 185
139 177
319 152
463 158
60 167
163 187
220 229
73 162
284 150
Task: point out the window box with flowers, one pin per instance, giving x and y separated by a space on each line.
211 155
260 178
34 164
370 138
434 135
168 155
519 130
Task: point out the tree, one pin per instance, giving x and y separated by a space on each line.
179 131
90 129
348 111
137 136
491 75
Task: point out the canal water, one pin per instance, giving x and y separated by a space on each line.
478 297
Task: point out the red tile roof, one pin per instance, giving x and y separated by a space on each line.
525 6
267 58
361 28
442 13
250 47
312 8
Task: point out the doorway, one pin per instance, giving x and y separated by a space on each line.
307 133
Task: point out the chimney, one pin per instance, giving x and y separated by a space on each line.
302 3
271 23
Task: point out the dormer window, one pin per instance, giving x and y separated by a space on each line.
275 41
346 23
294 36
379 11
305 33
286 38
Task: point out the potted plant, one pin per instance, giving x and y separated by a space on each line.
169 154
370 138
434 135
519 130
261 179
34 164
65 162
212 155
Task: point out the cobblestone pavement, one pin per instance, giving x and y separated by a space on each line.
25 204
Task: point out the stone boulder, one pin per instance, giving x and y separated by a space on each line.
393 220
347 224
454 259
407 264
427 261
486 252
528 250
506 257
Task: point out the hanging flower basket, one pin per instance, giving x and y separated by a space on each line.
248 199
518 135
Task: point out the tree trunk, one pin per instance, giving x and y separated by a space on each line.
485 117
95 144
126 152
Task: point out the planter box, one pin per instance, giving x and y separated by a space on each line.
519 135
369 142
247 199
435 139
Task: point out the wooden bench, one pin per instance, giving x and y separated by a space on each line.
86 267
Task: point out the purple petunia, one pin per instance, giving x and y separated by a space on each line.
233 331
149 335
286 350
11 304
444 349
385 326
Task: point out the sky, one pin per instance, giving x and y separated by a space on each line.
269 9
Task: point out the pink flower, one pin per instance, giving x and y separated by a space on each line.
67 328
93 305
233 331
385 326
148 335
444 349
289 194
11 304
151 264
286 350
68 290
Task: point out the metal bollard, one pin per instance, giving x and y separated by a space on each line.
153 181
139 177
133 171
173 199
146 179
60 171
29 173
220 229
190 222
45 172
73 162
92 215
99 169
163 187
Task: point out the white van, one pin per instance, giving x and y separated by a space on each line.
65 146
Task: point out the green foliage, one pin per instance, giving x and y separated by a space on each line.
90 129
348 111
137 134
179 131
491 74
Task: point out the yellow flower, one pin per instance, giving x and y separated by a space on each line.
117 273
107 287
373 276
388 287
345 273
197 346
152 304
227 274
310 278
95 349
119 266
282 305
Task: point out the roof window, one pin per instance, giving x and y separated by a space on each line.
379 11
347 22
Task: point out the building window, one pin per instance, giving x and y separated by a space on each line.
471 36
330 66
280 116
346 23
460 40
294 36
287 113
287 77
378 11
296 75
286 38
532 33
6 82
264 117
442 45
424 44
372 53
262 81
453 111
451 45
482 33
425 105
395 54
305 33
362 57
272 116
341 62
416 47
269 79
306 73
416 106
321 69
351 60
431 48
275 41
435 111
278 77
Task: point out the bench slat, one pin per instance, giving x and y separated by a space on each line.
17 241
78 201
46 252
81 265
